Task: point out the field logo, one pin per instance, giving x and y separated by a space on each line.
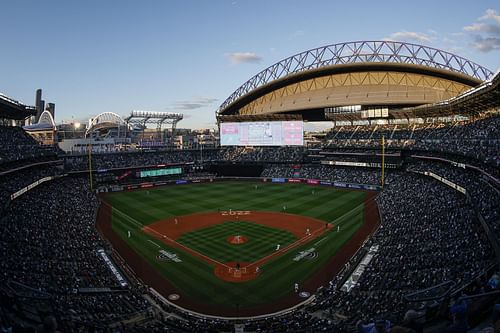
235 212
308 254
168 256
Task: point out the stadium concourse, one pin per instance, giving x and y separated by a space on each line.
436 248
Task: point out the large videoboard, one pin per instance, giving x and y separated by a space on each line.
262 133
159 172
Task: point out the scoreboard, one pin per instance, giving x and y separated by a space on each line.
262 133
159 172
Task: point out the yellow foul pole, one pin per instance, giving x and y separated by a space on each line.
90 165
383 161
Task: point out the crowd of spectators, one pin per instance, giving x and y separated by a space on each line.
147 158
49 243
260 154
429 234
14 181
323 172
481 190
448 247
18 145
479 139
129 159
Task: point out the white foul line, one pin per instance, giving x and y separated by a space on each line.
149 240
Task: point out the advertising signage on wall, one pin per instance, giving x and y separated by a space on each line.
159 172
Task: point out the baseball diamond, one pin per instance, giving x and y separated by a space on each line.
213 275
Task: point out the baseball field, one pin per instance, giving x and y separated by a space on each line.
233 247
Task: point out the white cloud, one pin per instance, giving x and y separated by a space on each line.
407 36
193 104
486 44
483 27
243 57
473 27
490 14
485 35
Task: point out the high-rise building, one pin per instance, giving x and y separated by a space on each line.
39 104
51 107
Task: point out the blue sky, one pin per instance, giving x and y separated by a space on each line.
188 56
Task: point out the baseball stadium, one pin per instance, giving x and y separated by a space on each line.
391 216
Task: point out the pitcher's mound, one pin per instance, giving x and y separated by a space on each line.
236 240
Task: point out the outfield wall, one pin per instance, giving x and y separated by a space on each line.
312 182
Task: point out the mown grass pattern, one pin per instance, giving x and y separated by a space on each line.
194 277
212 241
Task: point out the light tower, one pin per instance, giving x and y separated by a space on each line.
158 118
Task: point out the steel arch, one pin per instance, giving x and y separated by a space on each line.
105 118
46 118
361 52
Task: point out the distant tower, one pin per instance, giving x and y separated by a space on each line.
38 96
51 107
39 104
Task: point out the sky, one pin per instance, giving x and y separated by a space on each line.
188 56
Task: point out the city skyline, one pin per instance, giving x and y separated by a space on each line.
188 57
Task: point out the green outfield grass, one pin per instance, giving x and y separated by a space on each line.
194 277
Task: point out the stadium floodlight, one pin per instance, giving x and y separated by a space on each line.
158 118
155 114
